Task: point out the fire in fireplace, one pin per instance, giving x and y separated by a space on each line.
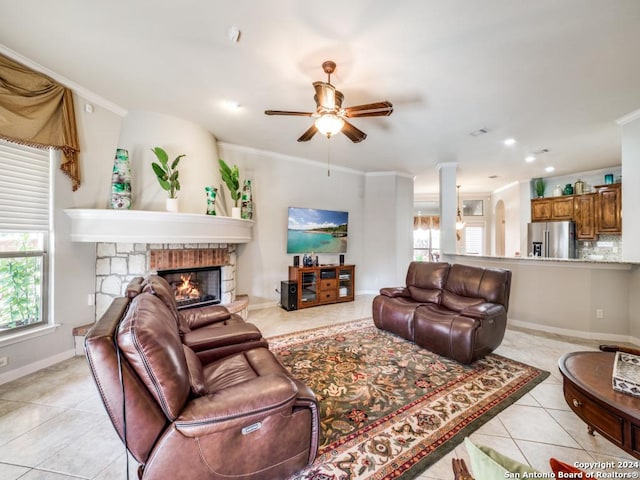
194 287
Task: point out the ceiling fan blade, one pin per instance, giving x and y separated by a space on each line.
353 133
377 109
285 112
306 136
325 96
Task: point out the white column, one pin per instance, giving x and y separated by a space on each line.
448 206
630 193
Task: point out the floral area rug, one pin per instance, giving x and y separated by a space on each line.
388 408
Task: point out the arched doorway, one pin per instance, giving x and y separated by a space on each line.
500 229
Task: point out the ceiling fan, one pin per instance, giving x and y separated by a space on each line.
330 116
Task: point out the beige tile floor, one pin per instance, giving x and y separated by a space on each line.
53 426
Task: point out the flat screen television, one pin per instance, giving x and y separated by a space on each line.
318 231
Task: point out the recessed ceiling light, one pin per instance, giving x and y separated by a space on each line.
510 141
549 169
231 105
529 159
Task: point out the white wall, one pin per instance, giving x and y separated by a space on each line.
142 131
388 230
510 196
280 182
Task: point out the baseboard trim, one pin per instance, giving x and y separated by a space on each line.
609 337
35 366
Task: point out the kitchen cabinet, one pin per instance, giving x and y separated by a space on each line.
594 213
584 214
609 208
552 209
540 209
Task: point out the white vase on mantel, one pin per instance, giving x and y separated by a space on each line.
172 205
235 212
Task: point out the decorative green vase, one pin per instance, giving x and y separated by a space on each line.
247 201
211 199
121 181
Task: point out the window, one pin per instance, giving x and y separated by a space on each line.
24 236
474 239
426 239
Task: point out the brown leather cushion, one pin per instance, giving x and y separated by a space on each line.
159 287
458 303
196 374
427 275
425 294
491 284
149 340
240 368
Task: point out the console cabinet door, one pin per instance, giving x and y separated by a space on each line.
585 216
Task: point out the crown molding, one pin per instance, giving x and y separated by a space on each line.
629 117
86 94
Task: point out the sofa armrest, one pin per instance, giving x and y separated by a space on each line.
239 406
395 292
483 311
199 317
220 336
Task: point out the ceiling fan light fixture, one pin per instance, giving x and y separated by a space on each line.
329 124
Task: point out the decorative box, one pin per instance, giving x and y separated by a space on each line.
626 373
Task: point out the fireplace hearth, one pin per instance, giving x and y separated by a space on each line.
194 287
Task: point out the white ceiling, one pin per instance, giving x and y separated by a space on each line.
551 74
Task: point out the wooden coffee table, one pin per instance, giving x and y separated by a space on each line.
588 391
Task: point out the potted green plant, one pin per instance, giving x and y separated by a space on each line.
231 178
540 186
168 176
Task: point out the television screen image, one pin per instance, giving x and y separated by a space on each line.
318 231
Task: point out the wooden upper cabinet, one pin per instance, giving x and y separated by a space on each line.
540 209
562 208
584 214
552 209
609 208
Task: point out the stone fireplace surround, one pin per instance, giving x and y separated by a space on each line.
132 243
118 263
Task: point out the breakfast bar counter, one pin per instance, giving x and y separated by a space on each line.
592 299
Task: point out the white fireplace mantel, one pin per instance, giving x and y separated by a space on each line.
146 226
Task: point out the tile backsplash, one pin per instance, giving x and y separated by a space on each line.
607 247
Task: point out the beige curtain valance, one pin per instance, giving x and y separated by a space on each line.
426 223
37 111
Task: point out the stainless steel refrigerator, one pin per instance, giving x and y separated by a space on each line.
552 239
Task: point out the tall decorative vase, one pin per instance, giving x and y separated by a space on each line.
211 199
247 201
121 181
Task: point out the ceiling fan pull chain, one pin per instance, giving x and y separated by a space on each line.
328 155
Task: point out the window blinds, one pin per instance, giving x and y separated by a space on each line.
24 188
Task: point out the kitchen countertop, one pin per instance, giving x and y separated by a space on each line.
575 261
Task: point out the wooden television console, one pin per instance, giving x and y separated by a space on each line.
323 284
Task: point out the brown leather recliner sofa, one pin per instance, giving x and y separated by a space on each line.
237 415
457 311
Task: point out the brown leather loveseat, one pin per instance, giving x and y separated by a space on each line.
457 311
235 415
